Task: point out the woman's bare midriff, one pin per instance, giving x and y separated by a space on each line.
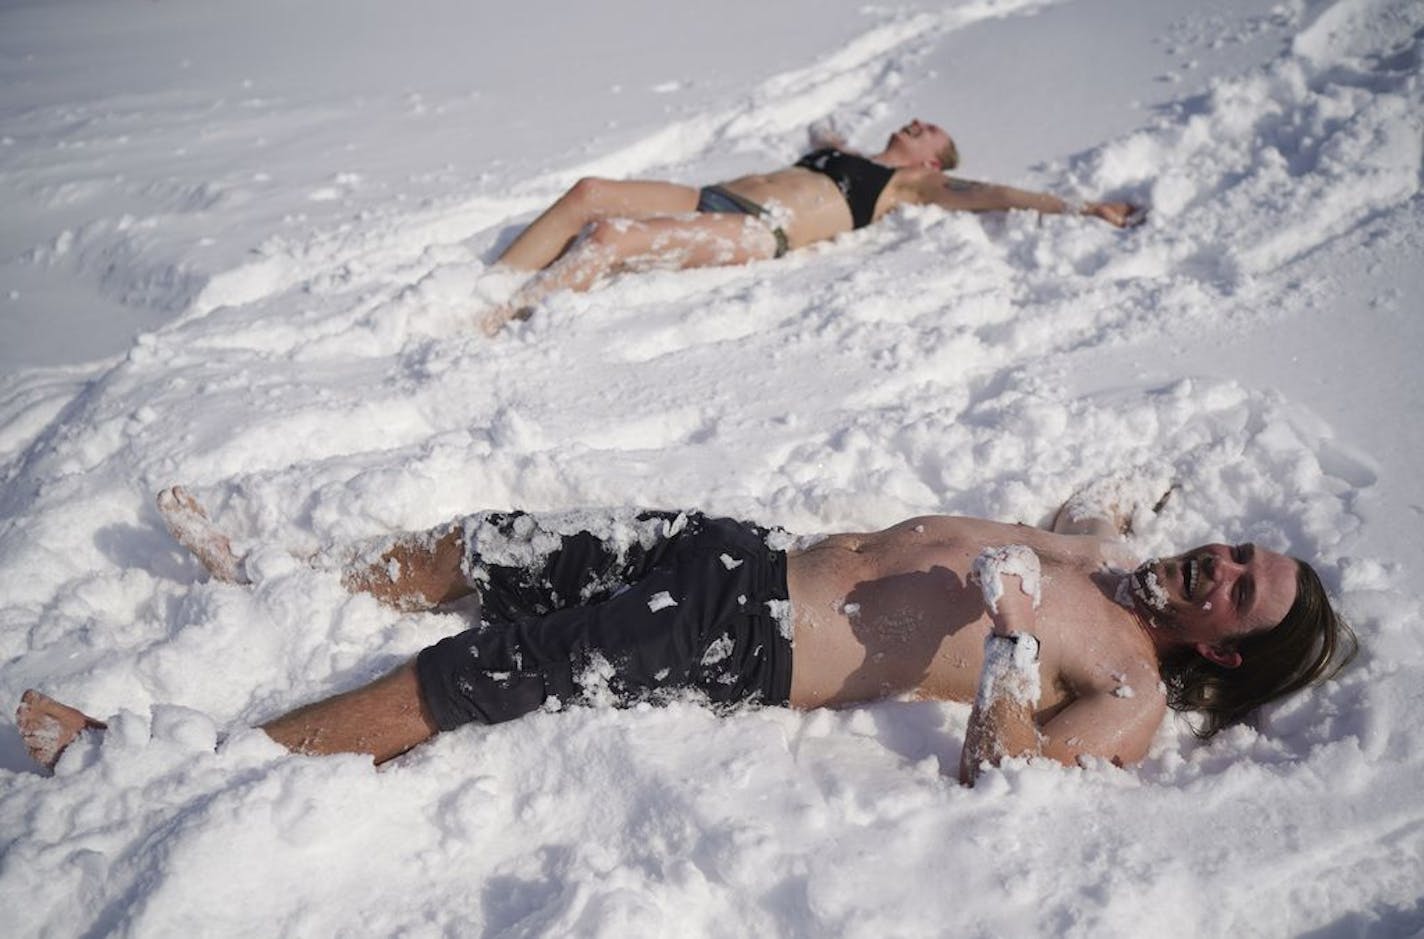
808 205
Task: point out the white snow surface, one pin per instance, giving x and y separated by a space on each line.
244 249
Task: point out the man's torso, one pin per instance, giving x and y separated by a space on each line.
894 612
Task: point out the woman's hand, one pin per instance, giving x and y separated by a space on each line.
1119 214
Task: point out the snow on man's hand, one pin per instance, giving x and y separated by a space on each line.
993 564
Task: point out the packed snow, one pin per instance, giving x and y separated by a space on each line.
246 249
1010 672
1011 560
1148 588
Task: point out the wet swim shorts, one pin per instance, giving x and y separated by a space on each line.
591 607
718 199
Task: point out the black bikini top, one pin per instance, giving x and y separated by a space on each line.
860 180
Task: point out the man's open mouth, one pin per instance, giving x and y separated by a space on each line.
1191 574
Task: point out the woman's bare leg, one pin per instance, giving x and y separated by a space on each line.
549 235
620 244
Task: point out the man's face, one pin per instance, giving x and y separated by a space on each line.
919 142
1217 593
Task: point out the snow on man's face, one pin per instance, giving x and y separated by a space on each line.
1217 593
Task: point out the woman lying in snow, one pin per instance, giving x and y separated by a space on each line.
640 225
1065 648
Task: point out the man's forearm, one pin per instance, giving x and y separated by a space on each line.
1002 722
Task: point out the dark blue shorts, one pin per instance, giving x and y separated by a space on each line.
718 199
612 607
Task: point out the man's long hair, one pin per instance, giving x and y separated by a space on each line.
1309 646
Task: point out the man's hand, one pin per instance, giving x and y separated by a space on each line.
1106 508
1118 214
1009 578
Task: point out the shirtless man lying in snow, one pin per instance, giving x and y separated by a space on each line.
646 224
1064 647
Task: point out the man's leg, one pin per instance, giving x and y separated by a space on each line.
384 718
413 571
590 200
190 526
47 727
698 610
419 570
649 622
619 244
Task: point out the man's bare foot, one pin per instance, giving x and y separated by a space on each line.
47 726
189 524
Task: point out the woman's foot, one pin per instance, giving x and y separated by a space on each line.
494 321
